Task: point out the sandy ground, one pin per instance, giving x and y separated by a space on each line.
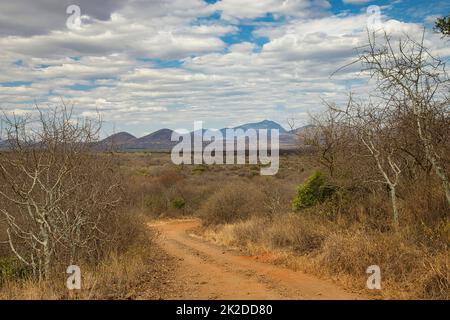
208 271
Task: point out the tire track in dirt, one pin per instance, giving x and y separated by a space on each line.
208 271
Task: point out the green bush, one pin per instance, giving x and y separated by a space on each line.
178 203
315 190
12 268
199 168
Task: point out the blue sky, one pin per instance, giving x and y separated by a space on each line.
151 64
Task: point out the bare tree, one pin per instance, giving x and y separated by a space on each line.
329 136
55 194
416 83
372 123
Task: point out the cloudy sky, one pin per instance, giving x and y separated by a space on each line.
149 64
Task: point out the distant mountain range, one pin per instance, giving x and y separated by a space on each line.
266 124
160 140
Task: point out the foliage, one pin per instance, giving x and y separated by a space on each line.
315 190
178 203
11 267
442 25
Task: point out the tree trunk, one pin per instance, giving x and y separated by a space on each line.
46 252
394 204
430 153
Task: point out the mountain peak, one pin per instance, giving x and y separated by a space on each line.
265 124
165 132
116 140
119 138
161 139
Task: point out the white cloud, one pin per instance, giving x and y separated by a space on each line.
235 9
220 84
432 19
356 1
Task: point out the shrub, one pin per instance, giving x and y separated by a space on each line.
168 177
12 268
199 168
353 251
234 202
435 280
315 190
301 235
58 195
156 203
178 203
247 233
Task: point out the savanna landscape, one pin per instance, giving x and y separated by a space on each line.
362 186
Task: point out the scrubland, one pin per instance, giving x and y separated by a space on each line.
337 238
369 186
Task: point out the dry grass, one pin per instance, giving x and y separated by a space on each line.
111 279
338 239
140 272
129 256
302 242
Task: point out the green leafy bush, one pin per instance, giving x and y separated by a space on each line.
178 203
12 268
315 190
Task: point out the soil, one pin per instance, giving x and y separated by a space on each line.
203 270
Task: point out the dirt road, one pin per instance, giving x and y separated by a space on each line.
208 271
